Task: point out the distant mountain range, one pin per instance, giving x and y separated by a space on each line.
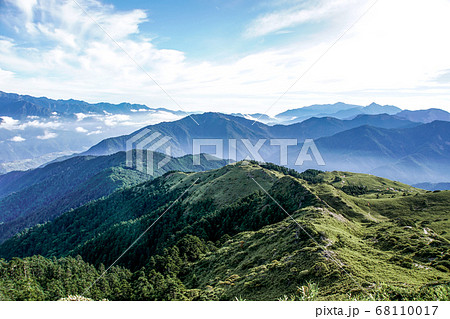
433 186
222 126
384 145
23 106
338 110
425 116
419 153
345 111
34 131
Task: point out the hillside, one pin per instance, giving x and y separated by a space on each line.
410 155
37 196
218 235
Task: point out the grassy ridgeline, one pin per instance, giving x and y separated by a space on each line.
363 237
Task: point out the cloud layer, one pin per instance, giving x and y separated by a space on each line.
397 54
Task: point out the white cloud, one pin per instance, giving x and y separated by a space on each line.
301 12
26 6
113 120
140 110
17 138
5 75
8 123
47 135
59 35
397 54
157 117
40 124
95 132
82 116
80 129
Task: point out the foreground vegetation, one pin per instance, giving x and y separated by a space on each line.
355 236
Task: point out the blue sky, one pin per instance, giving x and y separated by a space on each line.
212 29
229 56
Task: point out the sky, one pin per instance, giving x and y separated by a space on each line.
229 55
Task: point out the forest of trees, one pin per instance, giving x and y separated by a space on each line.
39 278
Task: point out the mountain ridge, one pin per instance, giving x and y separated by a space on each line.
225 237
425 116
212 122
338 110
21 106
380 144
40 195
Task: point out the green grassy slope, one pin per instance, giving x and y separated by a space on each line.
395 245
354 236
